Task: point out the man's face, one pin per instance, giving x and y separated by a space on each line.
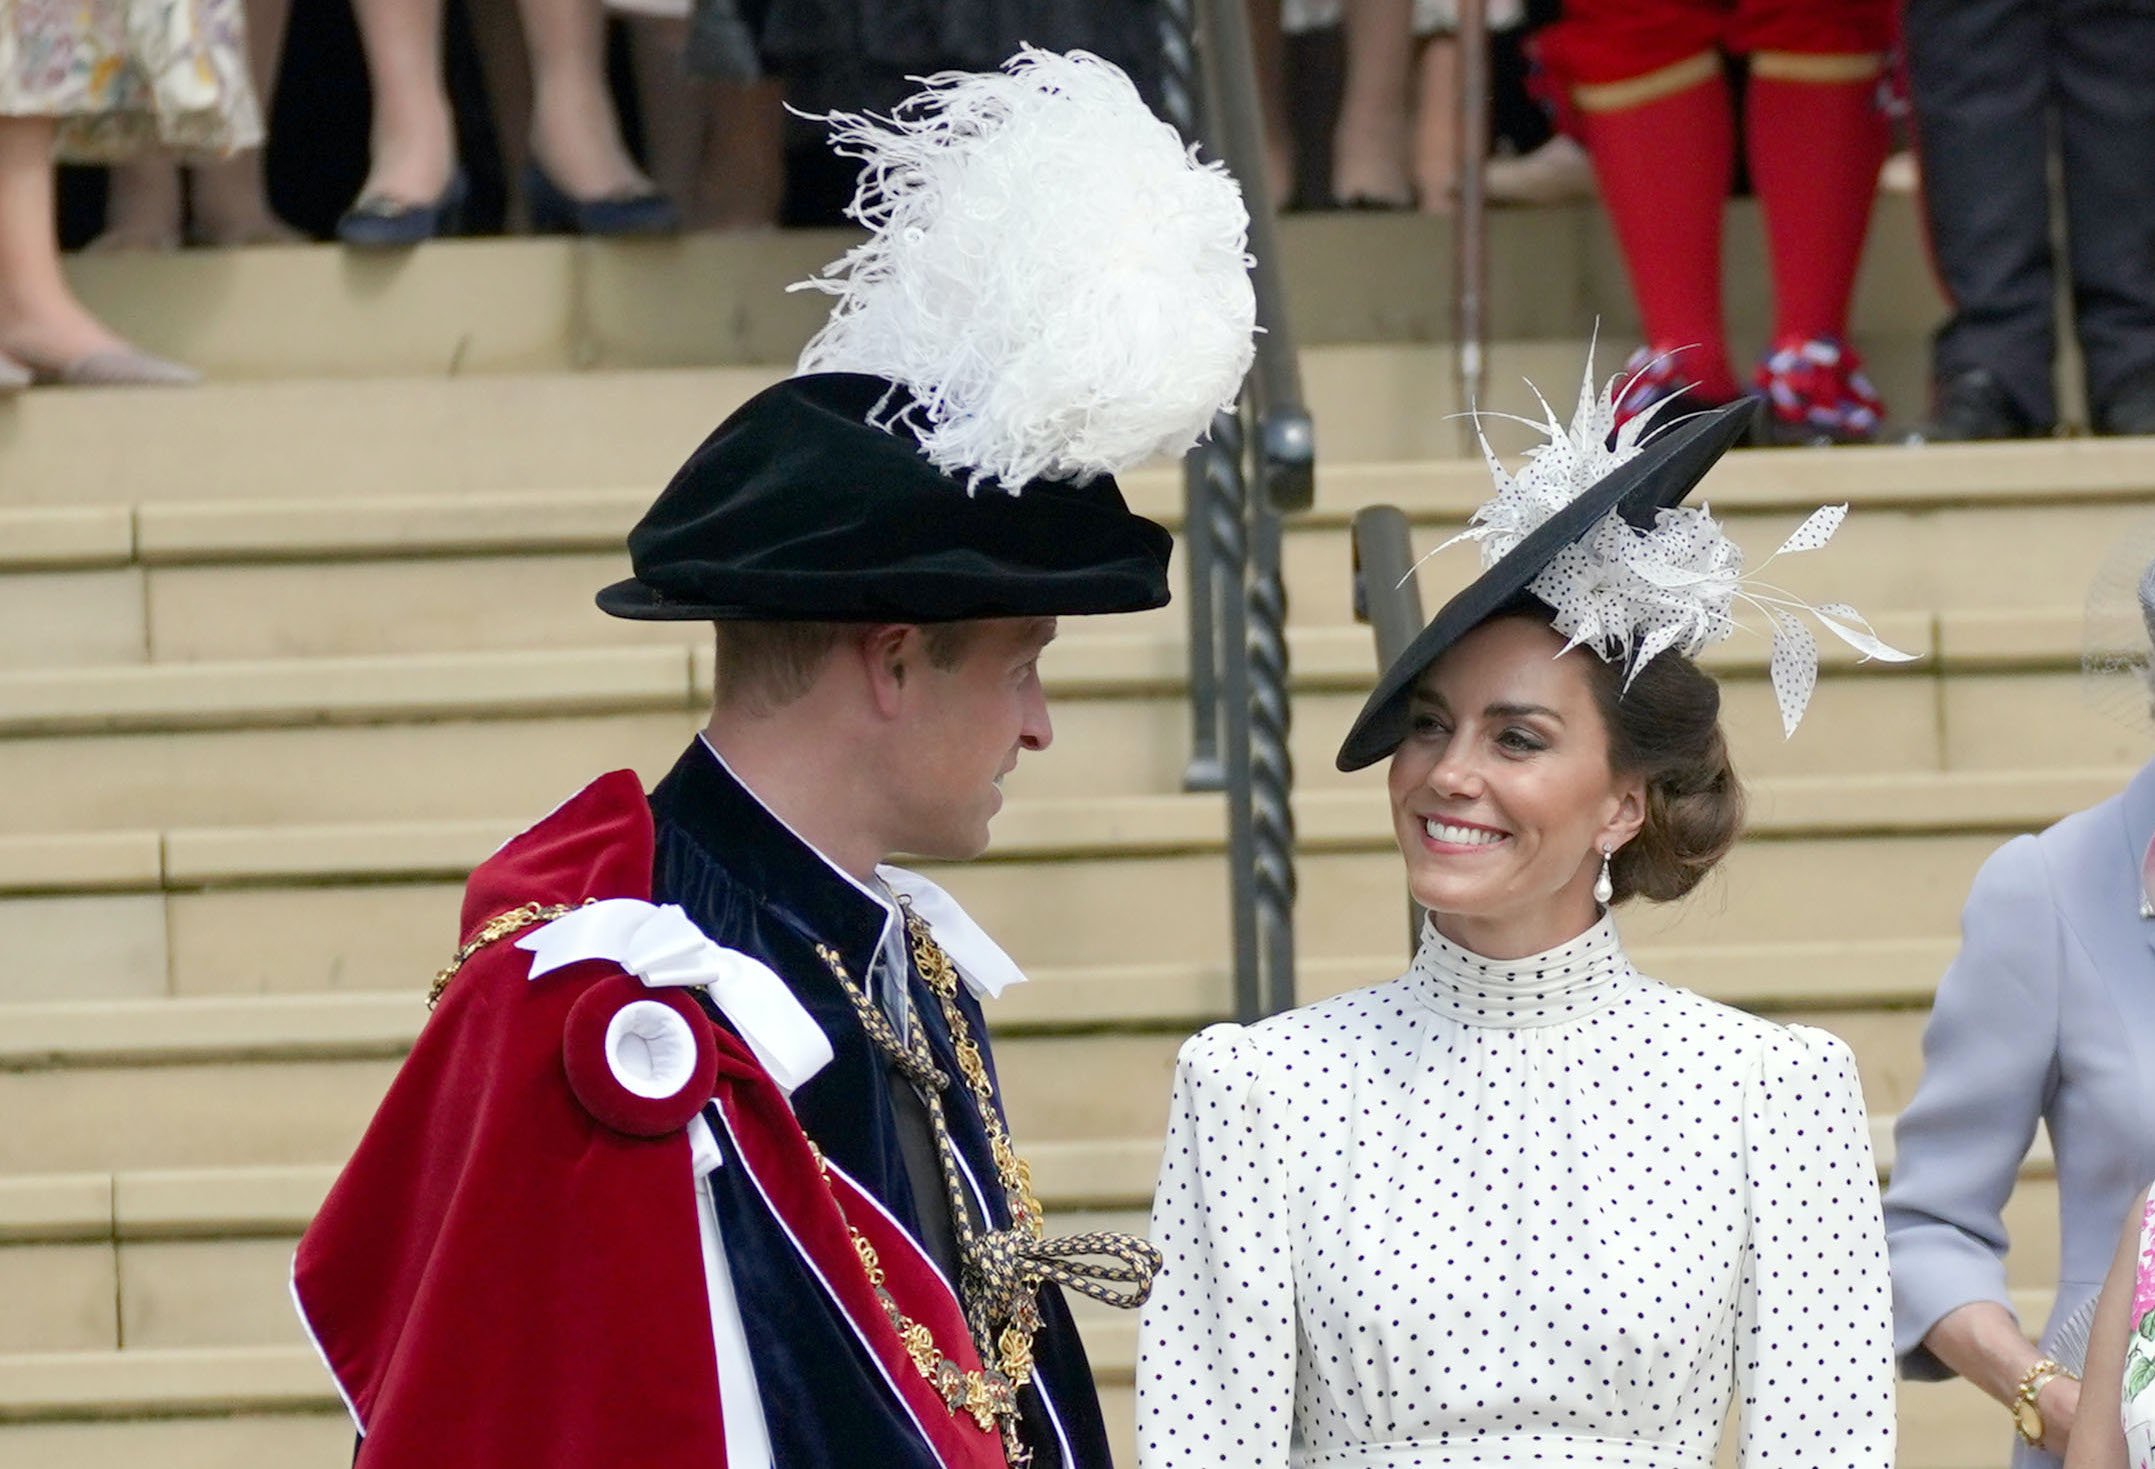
961 731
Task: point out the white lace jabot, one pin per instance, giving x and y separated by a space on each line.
1566 983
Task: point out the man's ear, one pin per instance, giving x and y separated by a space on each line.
889 652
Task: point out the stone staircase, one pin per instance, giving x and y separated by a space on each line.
282 657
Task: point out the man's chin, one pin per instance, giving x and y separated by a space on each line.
951 846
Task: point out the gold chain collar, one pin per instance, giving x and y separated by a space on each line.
1003 1269
497 928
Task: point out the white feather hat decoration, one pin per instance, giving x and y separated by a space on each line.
1053 275
1629 593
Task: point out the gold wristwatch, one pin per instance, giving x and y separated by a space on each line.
2027 1417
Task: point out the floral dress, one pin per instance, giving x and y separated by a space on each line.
2138 1407
123 75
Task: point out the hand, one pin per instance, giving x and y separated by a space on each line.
2058 1401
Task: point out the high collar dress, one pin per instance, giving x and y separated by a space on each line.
1532 1211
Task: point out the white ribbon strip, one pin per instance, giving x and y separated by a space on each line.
982 964
662 946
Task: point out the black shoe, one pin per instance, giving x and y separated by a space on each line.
378 222
554 211
2131 409
1974 405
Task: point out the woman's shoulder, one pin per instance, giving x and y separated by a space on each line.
1324 1029
1768 1045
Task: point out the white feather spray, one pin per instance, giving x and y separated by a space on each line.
1631 594
1059 282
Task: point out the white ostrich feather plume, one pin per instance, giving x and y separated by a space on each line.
1630 595
1058 281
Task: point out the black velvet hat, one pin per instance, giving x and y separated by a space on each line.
799 508
1664 470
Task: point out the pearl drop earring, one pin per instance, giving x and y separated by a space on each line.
1604 888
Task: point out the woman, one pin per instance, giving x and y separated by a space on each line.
579 177
100 81
1523 1204
2042 1016
2115 1428
224 204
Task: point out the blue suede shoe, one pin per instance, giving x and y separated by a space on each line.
378 222
554 211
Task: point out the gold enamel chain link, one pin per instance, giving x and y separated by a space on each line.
1014 1172
497 928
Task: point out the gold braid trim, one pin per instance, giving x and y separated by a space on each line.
493 931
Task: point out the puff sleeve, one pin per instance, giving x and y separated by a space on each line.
1989 1067
1216 1343
1814 1323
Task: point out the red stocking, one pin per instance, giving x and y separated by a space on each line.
1664 168
1815 149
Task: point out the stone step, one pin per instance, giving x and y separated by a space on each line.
263 1104
139 914
2007 528
197 1258
203 1259
253 1408
521 305
117 1114
445 735
292 1080
325 440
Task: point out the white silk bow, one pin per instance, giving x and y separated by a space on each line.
662 946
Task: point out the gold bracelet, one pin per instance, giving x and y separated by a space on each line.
2027 1416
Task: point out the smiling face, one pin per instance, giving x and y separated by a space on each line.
1503 796
961 731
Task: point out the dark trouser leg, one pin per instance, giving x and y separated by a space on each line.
2104 57
1980 72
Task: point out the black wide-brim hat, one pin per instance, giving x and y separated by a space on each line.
1664 470
798 508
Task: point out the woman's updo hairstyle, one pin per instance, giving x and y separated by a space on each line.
1666 728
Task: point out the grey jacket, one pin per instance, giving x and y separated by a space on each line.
2047 1012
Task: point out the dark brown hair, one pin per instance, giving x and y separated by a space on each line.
1666 728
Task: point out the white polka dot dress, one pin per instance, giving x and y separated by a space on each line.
1531 1211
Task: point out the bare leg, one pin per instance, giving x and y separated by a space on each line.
1369 146
413 138
1436 122
41 322
231 198
744 162
142 207
676 110
575 136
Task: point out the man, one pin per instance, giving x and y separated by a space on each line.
702 1159
1993 81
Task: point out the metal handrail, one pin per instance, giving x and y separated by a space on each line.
1257 465
1470 248
1388 599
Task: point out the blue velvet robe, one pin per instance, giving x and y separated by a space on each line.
752 885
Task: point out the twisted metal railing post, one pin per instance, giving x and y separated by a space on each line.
1255 468
1227 512
1271 769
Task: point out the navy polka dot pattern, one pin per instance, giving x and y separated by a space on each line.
1532 1211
